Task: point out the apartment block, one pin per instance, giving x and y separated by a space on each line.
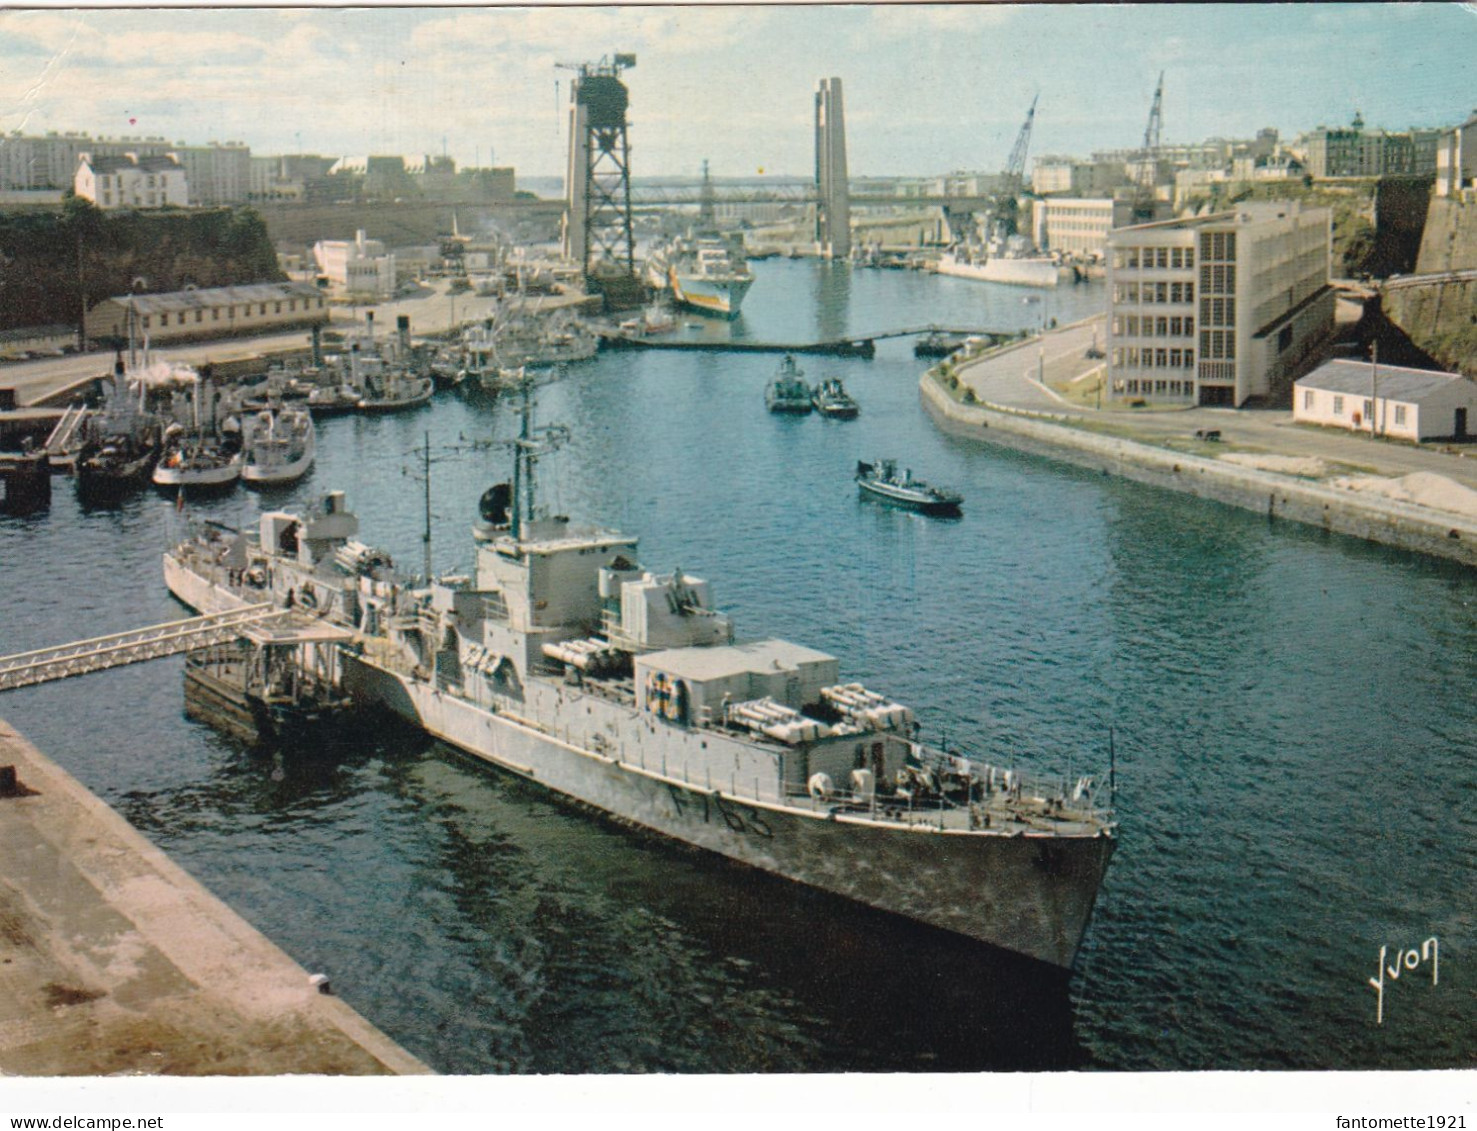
1220 308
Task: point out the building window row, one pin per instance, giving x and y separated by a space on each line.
1162 326
1218 246
1155 388
1154 258
1216 345
1218 279
1133 357
1153 292
1217 371
1217 311
215 312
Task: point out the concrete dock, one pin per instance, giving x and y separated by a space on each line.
1263 462
114 961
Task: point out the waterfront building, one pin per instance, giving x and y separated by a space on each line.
359 267
833 211
1075 226
1219 308
1387 400
131 181
212 312
1456 158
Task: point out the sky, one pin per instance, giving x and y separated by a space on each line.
928 88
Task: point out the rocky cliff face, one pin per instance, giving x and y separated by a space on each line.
51 262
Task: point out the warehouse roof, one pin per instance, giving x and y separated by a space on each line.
1393 382
215 296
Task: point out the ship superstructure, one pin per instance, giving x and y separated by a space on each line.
703 272
562 659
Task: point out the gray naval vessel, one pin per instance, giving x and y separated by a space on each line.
563 660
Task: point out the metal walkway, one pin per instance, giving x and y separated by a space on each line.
44 664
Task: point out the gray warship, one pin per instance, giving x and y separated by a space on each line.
563 660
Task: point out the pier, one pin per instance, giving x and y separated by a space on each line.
861 345
118 963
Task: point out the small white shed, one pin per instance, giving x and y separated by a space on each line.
1388 400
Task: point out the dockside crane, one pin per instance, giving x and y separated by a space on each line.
1013 180
598 230
1015 168
1148 161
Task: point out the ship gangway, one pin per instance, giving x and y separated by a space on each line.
102 652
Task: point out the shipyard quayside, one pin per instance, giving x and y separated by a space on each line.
563 660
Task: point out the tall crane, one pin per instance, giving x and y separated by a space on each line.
1015 168
598 232
1013 180
1148 161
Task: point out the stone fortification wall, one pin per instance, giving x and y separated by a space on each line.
1277 496
1439 316
1450 239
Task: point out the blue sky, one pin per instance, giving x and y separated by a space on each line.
929 88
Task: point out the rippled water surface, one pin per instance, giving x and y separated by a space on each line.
1293 718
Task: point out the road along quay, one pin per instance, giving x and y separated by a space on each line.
1070 437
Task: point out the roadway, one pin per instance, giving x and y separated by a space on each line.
1012 379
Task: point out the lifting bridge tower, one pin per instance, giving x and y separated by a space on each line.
597 220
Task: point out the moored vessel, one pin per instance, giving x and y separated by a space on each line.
831 399
702 272
563 660
788 392
279 445
881 480
1015 270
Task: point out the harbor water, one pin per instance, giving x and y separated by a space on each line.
1290 713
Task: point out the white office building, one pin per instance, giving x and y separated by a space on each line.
1220 308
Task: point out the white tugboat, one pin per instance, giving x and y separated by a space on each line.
564 661
280 444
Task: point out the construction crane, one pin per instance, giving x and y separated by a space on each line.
1148 161
1013 180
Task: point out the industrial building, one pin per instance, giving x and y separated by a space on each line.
1387 400
359 267
214 312
1219 308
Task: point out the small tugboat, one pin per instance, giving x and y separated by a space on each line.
114 466
881 480
831 399
334 400
120 445
788 392
205 456
280 444
391 388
